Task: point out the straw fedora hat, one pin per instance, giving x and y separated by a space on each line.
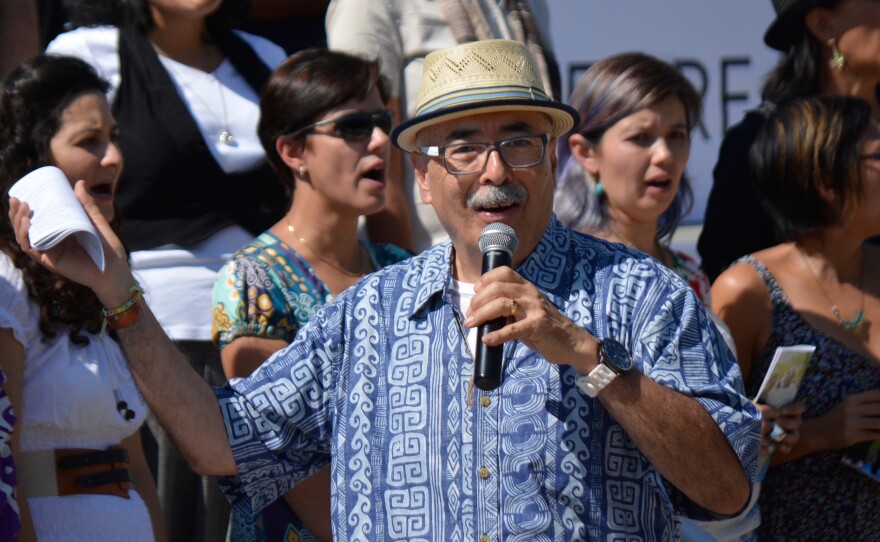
789 18
480 77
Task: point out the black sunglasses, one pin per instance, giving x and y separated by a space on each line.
353 126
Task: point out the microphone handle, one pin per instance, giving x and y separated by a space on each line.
489 359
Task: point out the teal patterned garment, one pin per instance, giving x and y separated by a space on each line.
268 290
377 386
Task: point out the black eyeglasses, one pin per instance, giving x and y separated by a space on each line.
467 158
353 126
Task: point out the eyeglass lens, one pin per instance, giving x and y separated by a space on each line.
518 152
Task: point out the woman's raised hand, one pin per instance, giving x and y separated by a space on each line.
70 260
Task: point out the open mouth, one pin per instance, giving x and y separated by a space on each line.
376 174
496 207
102 191
665 183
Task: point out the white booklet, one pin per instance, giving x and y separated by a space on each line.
784 375
781 383
56 213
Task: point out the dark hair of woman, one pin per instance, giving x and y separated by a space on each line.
34 97
797 73
611 90
303 88
137 13
806 147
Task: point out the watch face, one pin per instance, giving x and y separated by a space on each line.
616 356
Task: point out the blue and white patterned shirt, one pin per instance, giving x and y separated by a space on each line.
377 385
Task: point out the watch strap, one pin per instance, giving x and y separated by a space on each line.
593 383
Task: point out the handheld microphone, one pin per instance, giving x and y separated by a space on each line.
498 242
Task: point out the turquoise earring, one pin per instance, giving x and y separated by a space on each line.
600 191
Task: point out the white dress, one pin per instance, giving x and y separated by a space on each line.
69 403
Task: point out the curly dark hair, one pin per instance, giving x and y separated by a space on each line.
34 97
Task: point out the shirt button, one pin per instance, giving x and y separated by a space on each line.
485 401
485 538
484 473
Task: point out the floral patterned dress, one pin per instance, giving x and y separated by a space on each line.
268 290
816 497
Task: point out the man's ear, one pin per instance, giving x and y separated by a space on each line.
420 168
584 152
291 152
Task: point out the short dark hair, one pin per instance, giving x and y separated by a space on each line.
805 145
611 90
34 97
303 88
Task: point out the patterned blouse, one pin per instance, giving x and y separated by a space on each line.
690 271
816 497
9 522
268 290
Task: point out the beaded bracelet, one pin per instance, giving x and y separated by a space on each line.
126 314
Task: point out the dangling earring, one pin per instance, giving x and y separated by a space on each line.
600 190
838 61
302 172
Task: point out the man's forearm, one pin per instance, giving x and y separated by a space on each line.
178 396
678 437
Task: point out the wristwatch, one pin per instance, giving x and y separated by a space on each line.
614 361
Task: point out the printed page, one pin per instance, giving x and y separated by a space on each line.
56 213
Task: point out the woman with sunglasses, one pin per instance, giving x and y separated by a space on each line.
324 126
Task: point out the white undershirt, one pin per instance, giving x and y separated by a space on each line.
462 294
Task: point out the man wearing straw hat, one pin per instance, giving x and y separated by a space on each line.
619 408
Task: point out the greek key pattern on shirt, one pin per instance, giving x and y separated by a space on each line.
381 377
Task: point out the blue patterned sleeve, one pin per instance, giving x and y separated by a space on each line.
674 342
279 420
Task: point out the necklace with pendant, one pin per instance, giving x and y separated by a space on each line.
858 319
225 136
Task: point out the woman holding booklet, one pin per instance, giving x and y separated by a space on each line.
817 166
80 466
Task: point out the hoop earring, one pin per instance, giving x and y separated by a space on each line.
838 61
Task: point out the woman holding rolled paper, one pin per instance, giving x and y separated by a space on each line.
80 466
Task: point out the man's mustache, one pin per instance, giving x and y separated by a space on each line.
491 196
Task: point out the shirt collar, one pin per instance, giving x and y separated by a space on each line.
433 269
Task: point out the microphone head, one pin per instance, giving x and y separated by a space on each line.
498 236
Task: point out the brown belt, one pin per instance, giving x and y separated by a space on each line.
75 471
